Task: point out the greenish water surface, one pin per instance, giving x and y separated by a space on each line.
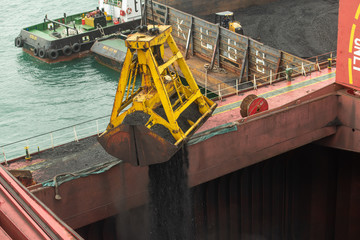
37 97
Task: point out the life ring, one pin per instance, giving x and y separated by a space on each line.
76 47
53 54
128 11
36 51
67 50
119 4
41 53
18 42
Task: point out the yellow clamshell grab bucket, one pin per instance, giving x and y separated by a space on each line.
163 112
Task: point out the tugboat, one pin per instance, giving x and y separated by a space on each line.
70 37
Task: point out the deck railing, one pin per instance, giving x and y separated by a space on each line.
259 65
92 127
113 2
53 139
236 86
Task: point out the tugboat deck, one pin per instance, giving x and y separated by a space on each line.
40 30
277 95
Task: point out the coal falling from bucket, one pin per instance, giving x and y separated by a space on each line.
170 211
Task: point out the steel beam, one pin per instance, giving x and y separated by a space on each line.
22 216
347 136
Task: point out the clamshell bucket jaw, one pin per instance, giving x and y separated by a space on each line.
150 124
138 145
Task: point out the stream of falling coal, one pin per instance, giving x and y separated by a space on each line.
170 210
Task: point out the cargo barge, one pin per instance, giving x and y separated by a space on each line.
289 171
110 51
70 37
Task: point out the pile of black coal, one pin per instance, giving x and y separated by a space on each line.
304 28
170 210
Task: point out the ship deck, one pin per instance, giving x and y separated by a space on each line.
277 95
47 33
87 153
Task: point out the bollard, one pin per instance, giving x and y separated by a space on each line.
303 71
75 135
329 63
6 163
27 154
288 72
237 86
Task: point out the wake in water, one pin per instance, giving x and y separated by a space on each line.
170 210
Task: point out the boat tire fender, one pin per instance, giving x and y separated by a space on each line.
53 54
76 47
67 50
36 51
18 42
128 11
41 52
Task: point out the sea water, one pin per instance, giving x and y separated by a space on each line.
36 97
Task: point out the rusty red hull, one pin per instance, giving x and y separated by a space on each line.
252 140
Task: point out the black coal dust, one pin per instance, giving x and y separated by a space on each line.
170 211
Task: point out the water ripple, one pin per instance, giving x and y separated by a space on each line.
37 97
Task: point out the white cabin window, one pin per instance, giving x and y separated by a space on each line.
50 26
85 38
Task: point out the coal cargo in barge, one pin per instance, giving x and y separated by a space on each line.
70 37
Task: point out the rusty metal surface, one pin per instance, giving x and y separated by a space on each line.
349 109
212 81
262 136
22 216
347 136
24 176
4 235
244 106
307 193
119 142
88 200
137 145
124 187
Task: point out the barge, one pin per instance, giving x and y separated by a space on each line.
72 36
110 51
